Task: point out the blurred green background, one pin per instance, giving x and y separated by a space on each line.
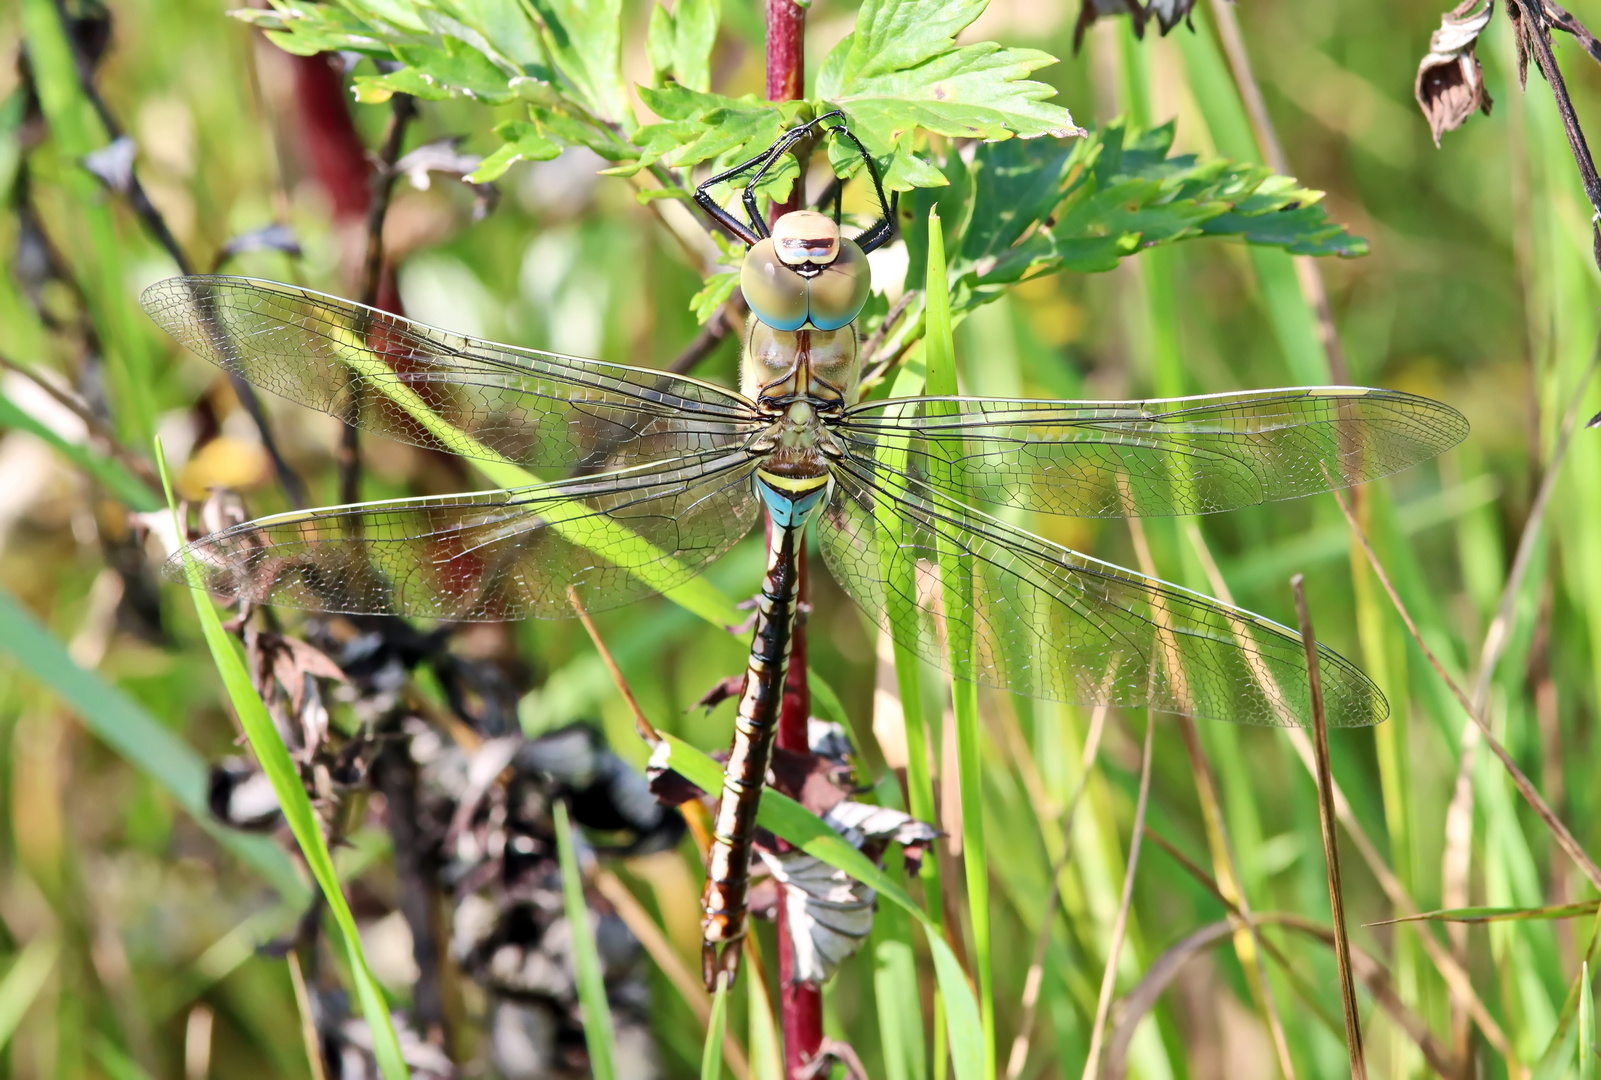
130 931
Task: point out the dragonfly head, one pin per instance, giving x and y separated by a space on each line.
805 273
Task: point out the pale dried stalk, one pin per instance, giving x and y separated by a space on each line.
1307 273
1120 924
660 950
1035 978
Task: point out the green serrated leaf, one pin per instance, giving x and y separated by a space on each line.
454 67
523 142
901 69
680 42
584 41
718 287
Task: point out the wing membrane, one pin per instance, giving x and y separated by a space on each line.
1048 622
535 409
1194 455
492 555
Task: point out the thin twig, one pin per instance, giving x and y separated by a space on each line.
308 1023
1245 937
724 321
402 108
156 224
95 427
647 732
1035 979
1375 977
1331 843
1538 38
1103 1005
1558 830
1451 970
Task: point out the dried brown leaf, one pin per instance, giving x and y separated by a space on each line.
1450 83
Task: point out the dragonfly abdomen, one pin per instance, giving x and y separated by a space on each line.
790 502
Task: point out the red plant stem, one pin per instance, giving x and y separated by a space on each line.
800 1004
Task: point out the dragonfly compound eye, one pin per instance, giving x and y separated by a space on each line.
838 293
776 293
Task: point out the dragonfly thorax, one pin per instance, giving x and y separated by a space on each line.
805 274
780 366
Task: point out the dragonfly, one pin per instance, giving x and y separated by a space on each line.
658 474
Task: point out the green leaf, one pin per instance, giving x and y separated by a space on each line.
956 589
711 1055
274 759
586 958
584 41
790 820
901 69
718 288
680 42
523 142
23 981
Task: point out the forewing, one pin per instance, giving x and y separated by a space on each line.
432 388
1047 622
488 556
1194 455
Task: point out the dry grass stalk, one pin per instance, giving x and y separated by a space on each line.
1223 865
1331 844
1120 924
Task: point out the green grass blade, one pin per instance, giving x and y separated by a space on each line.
790 820
711 1056
106 471
23 982
298 813
1586 1025
1497 914
956 583
117 1065
586 958
900 1009
138 737
76 133
766 1057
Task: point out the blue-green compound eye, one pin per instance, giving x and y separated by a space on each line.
776 294
837 294
786 300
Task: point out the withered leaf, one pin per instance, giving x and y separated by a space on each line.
1095 9
830 913
1169 13
1450 83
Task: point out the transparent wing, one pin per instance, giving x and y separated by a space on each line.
488 556
1048 622
441 390
1143 458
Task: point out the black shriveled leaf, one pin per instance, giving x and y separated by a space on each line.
1169 13
1450 83
1095 9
